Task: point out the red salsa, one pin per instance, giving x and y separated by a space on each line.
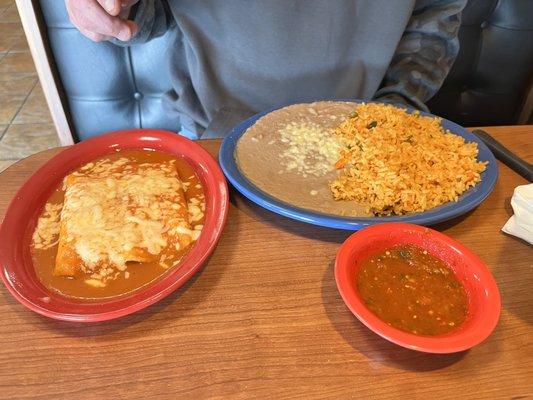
412 290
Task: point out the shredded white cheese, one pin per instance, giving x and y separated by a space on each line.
47 231
310 150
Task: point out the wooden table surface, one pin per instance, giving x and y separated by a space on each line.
263 319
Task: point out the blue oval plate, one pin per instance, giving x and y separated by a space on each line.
469 200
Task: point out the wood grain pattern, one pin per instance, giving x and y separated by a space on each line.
263 319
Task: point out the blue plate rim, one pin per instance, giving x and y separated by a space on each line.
468 201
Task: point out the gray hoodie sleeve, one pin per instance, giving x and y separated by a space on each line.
425 53
153 17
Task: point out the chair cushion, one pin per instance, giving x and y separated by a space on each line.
492 74
108 87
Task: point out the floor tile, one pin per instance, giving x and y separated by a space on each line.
21 97
16 65
10 14
35 110
19 44
6 163
10 27
21 86
9 107
4 5
20 141
9 33
13 94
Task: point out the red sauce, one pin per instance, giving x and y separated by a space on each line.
412 290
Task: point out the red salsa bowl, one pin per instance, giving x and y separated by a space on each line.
483 309
17 269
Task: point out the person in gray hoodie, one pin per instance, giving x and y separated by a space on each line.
232 58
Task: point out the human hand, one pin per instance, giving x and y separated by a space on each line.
102 19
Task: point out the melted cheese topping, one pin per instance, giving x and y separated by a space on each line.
47 231
122 211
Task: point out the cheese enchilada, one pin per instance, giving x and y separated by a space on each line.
126 213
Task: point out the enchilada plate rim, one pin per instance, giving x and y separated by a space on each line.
17 270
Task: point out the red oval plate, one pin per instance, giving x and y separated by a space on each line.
483 295
16 265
